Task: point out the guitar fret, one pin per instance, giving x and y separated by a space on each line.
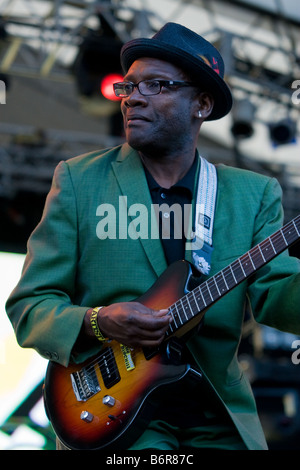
213 289
270 240
225 280
184 310
281 231
218 285
242 267
202 297
173 316
257 257
198 308
220 279
170 328
250 257
209 291
247 266
238 270
267 250
261 253
231 279
193 305
278 242
296 228
290 234
285 237
233 274
178 314
189 305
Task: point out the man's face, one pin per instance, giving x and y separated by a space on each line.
158 122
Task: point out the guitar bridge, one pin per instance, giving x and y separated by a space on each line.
85 383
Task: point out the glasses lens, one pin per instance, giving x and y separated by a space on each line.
122 89
149 87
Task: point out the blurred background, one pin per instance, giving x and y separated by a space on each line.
57 62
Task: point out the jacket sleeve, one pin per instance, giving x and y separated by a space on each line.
40 307
274 292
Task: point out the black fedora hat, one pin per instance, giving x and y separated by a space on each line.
192 53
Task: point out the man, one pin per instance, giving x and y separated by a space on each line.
91 248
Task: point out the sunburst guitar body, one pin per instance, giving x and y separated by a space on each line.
106 401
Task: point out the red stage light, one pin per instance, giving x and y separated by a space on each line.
107 86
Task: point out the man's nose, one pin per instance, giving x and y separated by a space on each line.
135 97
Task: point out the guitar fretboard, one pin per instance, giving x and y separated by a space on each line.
224 281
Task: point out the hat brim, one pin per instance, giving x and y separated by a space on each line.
199 71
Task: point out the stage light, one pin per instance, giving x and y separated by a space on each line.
283 132
243 118
106 86
98 56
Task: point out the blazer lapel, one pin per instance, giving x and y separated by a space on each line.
131 178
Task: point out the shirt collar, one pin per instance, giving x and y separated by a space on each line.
187 182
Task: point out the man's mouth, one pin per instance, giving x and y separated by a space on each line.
136 117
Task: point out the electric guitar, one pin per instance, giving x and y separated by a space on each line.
102 403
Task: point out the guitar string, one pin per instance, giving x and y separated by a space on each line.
100 361
96 364
253 254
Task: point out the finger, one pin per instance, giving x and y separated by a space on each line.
151 323
147 310
150 316
163 313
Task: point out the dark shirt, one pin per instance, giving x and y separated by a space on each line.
174 407
173 223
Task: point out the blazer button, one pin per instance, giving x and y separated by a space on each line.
47 354
51 356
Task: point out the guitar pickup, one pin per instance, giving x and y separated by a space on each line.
108 368
85 383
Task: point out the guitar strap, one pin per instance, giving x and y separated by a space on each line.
202 243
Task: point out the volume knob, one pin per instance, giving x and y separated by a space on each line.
108 400
86 416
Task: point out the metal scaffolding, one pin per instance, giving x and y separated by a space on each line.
39 40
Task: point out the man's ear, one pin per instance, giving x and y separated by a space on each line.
205 105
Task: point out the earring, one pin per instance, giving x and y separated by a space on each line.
199 114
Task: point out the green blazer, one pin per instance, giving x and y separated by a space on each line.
79 258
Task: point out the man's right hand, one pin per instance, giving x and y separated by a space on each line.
133 324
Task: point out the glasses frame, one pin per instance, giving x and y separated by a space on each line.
162 83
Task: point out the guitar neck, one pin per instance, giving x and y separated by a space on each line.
203 296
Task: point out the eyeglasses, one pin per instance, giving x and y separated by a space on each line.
147 87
